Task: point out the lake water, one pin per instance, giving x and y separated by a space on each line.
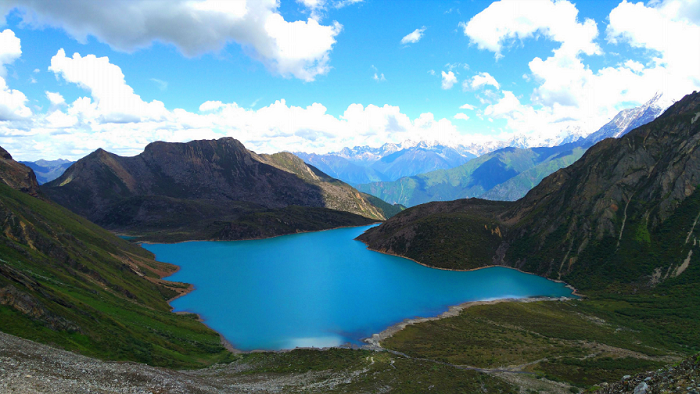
323 289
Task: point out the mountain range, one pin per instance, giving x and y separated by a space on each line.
625 212
508 173
209 189
363 164
48 170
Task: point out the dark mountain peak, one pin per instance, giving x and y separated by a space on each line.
5 154
17 175
176 184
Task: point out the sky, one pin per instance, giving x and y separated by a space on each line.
320 75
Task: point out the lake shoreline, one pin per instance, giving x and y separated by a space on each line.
241 239
374 342
572 288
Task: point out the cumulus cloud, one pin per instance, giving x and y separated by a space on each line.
113 98
12 102
507 20
448 80
467 106
298 49
461 116
480 80
671 29
413 37
569 94
55 99
112 110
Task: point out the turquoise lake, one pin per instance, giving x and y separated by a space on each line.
323 289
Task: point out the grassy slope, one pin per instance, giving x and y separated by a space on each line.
583 343
79 274
371 372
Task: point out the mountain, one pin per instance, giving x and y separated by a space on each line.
16 175
624 215
363 164
630 119
505 174
48 170
509 173
67 282
208 189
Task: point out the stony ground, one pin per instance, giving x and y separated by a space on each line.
682 378
28 367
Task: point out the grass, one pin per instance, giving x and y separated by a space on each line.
365 371
79 289
578 342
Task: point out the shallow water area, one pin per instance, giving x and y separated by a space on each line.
323 289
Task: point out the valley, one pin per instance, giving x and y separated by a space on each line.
637 318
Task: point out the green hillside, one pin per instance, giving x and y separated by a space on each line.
69 283
506 174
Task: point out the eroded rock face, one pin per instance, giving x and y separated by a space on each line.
16 175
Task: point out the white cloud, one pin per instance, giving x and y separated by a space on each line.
431 72
413 37
343 3
508 20
480 80
448 80
379 77
467 106
300 48
672 30
569 94
113 110
452 66
10 49
56 99
162 85
113 98
461 116
12 102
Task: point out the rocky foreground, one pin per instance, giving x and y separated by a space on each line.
682 378
29 367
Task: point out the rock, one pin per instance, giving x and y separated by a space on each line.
642 388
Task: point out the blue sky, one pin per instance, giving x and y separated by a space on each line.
317 75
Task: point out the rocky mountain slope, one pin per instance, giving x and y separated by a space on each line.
209 189
626 212
629 119
65 281
16 175
48 170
